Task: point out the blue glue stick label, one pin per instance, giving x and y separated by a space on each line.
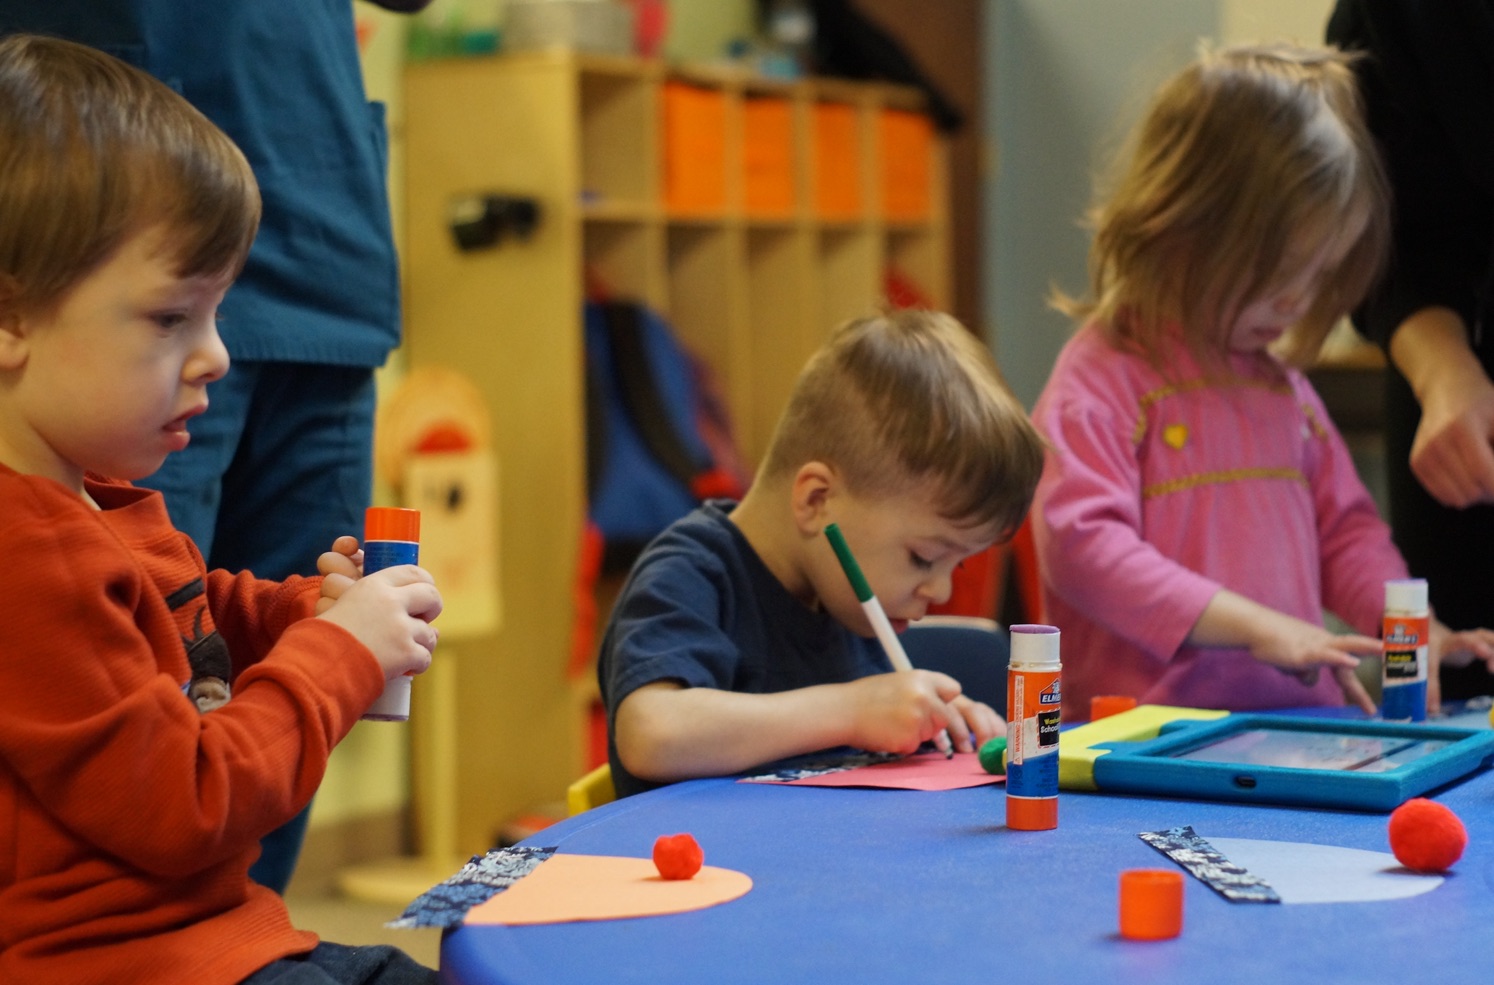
1405 702
380 554
1036 776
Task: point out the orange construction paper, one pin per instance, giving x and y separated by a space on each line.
569 888
925 771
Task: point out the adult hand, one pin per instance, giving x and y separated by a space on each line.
1451 454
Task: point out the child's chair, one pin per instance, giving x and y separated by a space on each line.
592 790
971 649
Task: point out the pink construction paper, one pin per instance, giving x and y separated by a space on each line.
924 771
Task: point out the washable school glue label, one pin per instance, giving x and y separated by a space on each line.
1032 734
1406 643
381 554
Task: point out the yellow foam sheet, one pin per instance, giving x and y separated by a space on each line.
569 888
1077 750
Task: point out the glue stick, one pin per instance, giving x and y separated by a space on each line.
390 536
1033 702
1405 635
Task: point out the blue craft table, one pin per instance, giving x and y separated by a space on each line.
872 886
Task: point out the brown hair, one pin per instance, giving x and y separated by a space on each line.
906 397
93 151
1245 156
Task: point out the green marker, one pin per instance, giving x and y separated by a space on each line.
878 617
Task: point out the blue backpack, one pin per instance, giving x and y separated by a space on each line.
658 442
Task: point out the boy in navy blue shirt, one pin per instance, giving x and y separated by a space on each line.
738 641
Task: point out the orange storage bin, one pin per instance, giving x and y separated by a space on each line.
694 135
768 157
905 148
837 162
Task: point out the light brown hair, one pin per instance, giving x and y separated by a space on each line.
93 151
1243 158
907 397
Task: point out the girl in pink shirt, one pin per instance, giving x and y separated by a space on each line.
1198 510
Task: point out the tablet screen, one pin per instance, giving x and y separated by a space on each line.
1314 750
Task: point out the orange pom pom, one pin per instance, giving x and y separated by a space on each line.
677 856
1426 836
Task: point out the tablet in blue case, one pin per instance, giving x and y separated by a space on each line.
1281 759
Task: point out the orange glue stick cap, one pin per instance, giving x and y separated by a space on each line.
391 523
1151 904
1105 705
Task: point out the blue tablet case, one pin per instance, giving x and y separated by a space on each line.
1283 759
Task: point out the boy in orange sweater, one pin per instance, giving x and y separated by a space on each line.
156 718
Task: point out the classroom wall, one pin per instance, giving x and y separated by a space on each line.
1065 78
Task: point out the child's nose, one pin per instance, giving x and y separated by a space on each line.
937 589
209 361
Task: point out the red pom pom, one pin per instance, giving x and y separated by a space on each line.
677 856
1426 836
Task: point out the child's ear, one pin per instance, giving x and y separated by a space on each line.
814 485
12 339
12 328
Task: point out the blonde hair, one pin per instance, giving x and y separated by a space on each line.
1245 156
93 151
903 398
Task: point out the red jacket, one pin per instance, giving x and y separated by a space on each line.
129 819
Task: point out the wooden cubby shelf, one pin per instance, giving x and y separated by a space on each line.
755 215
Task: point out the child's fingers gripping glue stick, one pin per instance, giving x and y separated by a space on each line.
1033 702
391 536
1405 637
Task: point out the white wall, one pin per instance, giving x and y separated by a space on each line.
1065 78
1301 21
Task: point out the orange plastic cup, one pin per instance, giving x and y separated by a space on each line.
1151 904
1105 705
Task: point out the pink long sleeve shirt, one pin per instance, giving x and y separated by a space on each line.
1159 492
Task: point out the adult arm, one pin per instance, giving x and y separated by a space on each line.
1426 80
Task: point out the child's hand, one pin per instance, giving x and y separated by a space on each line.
899 711
981 721
339 568
390 612
1454 649
1296 646
1302 649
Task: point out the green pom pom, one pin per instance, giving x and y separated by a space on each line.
993 755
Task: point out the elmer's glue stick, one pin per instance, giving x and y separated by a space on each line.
1406 637
1033 700
390 536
